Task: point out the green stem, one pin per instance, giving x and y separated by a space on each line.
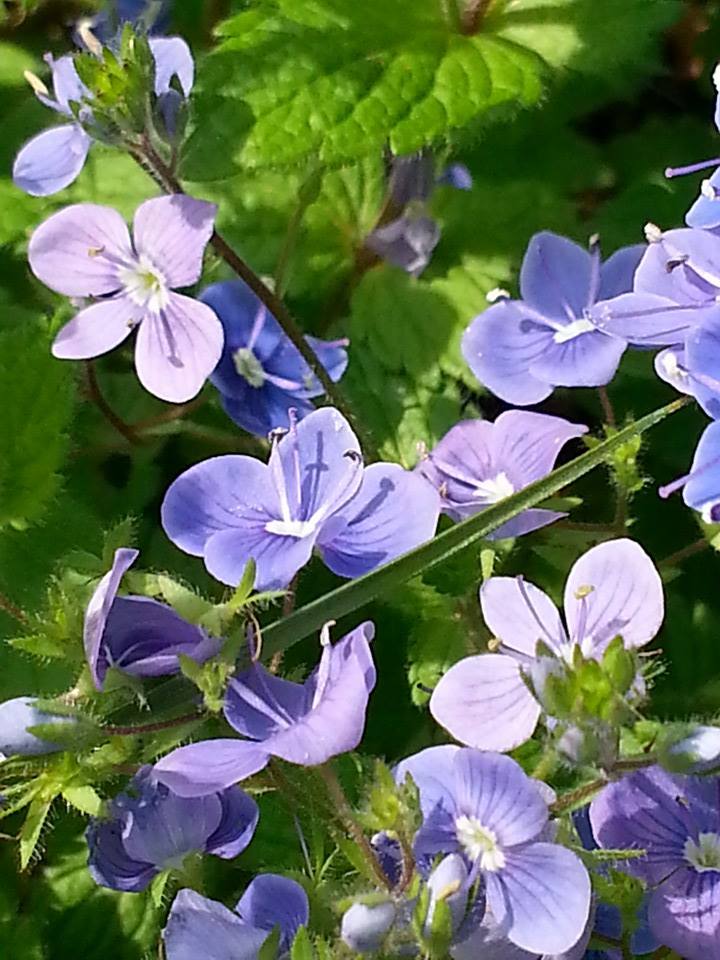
571 799
346 816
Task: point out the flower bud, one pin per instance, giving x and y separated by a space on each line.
448 882
15 717
364 927
691 750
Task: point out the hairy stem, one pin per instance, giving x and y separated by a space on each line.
12 610
346 816
473 15
153 727
95 394
569 800
155 166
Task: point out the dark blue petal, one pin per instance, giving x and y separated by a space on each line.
108 861
202 929
273 901
240 817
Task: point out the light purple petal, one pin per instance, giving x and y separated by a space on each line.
495 790
177 350
705 211
210 765
432 771
51 160
98 609
277 559
16 716
80 250
483 702
459 462
365 926
271 900
407 242
96 330
393 511
587 360
642 812
198 927
240 815
67 85
647 319
215 495
172 59
671 366
526 445
555 277
520 615
613 589
258 703
525 522
702 360
172 232
500 345
618 271
340 689
684 913
543 892
702 491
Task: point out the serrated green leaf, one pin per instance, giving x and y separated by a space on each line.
301 946
84 798
31 829
351 596
269 949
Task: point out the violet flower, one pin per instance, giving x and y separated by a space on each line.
478 464
149 829
486 701
694 367
304 723
152 16
484 807
261 375
676 821
85 250
16 716
313 492
408 240
53 159
137 635
199 927
701 486
522 349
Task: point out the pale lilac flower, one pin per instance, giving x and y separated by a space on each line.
364 927
701 486
138 635
697 750
479 463
304 723
53 159
313 493
694 367
16 716
522 349
85 250
485 701
149 828
201 928
261 375
484 807
676 821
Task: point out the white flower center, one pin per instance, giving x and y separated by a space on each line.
292 528
572 330
145 285
249 367
479 843
704 854
494 489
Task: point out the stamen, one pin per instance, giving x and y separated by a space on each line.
90 40
670 488
653 233
497 293
671 172
36 83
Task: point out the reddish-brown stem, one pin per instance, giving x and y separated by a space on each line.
568 800
607 408
13 611
95 394
698 546
152 727
473 15
176 412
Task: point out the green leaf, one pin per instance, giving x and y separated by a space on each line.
355 594
36 399
269 949
301 946
31 829
84 798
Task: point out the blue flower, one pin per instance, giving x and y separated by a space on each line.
261 375
16 716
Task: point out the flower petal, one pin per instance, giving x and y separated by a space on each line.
209 765
625 597
277 558
432 771
526 445
98 610
525 522
264 410
338 693
258 703
172 232
170 827
172 59
497 792
587 360
500 345
618 271
703 489
702 361
67 84
52 160
543 892
393 511
273 901
684 913
407 242
519 614
704 214
96 330
647 319
240 815
198 927
483 702
109 863
642 812
16 716
555 276
177 350
79 250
